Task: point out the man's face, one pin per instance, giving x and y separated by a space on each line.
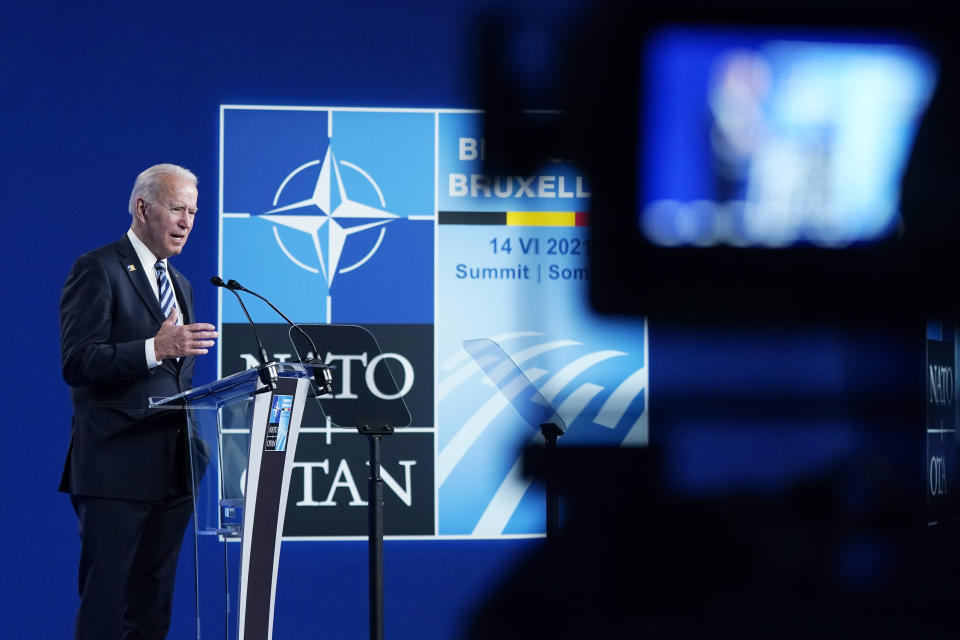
165 224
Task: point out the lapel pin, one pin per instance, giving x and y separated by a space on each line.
130 267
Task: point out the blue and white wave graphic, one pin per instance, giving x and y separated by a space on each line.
599 394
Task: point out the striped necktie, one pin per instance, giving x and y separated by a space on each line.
167 300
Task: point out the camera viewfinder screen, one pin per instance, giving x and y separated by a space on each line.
760 138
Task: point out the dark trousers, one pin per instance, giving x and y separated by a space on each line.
128 561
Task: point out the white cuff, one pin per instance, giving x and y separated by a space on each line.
151 354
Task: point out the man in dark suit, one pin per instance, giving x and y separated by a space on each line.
126 335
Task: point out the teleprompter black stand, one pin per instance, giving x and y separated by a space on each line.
550 433
504 373
374 430
372 416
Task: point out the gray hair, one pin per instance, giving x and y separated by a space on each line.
148 183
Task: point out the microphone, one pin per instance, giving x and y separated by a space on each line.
321 375
268 372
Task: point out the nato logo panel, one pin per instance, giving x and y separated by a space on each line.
328 222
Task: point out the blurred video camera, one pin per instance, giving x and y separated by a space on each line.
746 161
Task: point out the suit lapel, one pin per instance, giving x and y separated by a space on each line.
128 259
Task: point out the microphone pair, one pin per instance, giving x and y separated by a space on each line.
233 285
268 372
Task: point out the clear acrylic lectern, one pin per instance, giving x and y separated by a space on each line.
243 437
242 447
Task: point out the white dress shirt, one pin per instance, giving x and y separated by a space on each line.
147 262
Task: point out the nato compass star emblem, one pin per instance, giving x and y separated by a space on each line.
329 216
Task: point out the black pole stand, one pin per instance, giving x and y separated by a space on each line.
375 430
550 433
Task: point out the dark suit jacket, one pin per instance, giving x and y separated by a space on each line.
119 448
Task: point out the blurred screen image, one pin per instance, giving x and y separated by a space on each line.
765 138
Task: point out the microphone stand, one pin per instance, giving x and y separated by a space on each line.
268 370
321 375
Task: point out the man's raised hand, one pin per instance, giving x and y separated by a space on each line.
177 341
